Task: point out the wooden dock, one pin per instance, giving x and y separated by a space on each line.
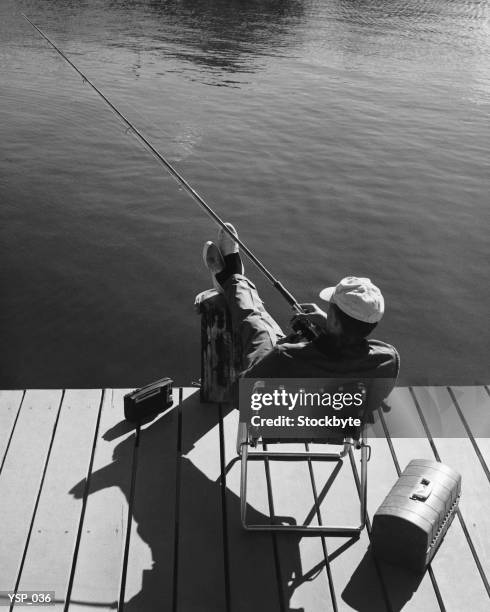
112 519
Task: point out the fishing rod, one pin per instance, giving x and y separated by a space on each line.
180 179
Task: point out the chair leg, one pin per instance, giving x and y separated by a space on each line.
241 438
363 491
243 485
341 530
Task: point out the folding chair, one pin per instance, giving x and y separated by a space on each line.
250 437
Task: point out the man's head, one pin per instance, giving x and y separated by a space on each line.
355 308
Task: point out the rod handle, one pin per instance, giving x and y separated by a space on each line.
306 329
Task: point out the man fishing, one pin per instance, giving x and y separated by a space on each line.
355 305
340 349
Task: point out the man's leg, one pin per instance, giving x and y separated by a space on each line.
255 327
257 330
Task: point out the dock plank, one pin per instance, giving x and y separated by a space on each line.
21 478
453 563
201 565
293 497
10 402
264 572
150 568
201 576
57 519
254 582
98 567
457 451
356 581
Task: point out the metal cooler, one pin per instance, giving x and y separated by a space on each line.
411 523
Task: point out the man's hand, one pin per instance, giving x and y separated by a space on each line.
312 314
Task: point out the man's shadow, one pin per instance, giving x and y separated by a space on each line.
193 571
191 568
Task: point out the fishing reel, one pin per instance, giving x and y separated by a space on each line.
304 330
309 322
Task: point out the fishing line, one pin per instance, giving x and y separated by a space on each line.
179 178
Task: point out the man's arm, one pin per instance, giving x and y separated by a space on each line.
382 387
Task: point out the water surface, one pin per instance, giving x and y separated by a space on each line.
341 137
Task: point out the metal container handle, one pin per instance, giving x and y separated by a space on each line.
422 490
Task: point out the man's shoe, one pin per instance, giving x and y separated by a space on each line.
226 244
214 262
230 251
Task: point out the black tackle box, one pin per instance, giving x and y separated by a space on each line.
411 523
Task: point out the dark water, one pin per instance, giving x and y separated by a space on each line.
340 136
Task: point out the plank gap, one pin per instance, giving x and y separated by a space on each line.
277 561
84 505
129 523
224 511
328 569
178 474
12 431
398 471
384 589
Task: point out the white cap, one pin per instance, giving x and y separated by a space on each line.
357 297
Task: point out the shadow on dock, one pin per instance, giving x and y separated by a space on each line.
202 558
403 584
